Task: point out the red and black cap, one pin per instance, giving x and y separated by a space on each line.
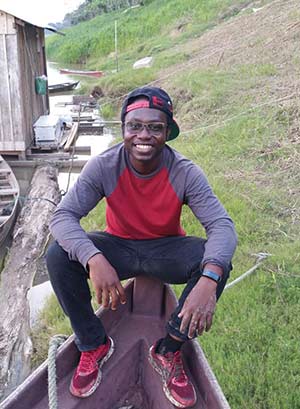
157 99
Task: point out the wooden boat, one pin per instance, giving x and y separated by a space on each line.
9 195
81 72
65 86
128 381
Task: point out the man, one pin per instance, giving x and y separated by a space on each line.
145 183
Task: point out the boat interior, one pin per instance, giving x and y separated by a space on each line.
129 381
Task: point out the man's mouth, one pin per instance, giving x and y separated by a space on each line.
143 147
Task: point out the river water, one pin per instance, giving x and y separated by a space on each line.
38 294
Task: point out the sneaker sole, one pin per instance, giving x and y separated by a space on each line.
99 377
165 387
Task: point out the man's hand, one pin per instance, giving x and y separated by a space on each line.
198 308
106 282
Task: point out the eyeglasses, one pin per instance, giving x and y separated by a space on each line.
155 128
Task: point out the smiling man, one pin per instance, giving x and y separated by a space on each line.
145 183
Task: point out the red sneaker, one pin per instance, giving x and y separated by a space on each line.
88 375
176 385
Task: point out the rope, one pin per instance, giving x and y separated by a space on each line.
26 198
224 121
260 258
54 344
62 191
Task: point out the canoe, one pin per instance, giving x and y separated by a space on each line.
128 381
82 72
65 86
9 196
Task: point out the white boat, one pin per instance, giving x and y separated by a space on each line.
9 196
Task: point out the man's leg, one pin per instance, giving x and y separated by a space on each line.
176 260
69 281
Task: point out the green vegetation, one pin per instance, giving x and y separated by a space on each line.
141 31
90 9
248 145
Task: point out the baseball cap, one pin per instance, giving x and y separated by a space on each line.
158 99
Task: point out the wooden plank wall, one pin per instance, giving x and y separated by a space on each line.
31 46
10 129
22 58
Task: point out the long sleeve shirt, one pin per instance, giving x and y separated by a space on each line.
143 206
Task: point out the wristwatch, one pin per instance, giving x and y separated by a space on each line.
213 276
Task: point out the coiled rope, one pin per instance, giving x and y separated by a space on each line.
54 344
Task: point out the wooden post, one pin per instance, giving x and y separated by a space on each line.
116 45
30 237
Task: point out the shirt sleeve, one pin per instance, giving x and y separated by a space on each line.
220 230
78 202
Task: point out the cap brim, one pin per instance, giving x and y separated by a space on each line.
174 130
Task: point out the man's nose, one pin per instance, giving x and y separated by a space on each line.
145 133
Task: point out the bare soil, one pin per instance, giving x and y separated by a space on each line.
258 33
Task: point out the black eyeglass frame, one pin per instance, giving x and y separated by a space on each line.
148 126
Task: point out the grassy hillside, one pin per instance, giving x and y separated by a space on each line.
141 31
234 82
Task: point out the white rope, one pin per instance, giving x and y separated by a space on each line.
54 344
221 123
260 258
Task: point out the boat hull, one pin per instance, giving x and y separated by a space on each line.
66 86
81 72
9 197
129 380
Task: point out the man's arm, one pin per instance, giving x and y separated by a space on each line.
65 228
79 201
198 309
220 231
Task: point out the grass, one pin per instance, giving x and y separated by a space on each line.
144 30
249 148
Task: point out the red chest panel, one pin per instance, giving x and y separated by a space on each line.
143 208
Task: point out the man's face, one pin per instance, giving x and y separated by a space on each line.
145 132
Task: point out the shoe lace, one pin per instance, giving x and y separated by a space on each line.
87 361
179 373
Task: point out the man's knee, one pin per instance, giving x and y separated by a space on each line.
56 258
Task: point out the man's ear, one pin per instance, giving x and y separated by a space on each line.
123 128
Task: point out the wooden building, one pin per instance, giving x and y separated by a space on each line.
22 61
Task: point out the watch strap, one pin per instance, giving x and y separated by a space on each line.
213 276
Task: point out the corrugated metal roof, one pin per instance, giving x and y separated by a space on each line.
25 15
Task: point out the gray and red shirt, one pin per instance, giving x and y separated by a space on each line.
142 206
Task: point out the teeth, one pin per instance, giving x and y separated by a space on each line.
143 147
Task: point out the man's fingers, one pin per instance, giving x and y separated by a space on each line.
122 293
201 324
193 326
209 320
105 298
99 296
184 322
114 298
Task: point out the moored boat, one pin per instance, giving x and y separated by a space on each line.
81 72
9 196
65 86
129 381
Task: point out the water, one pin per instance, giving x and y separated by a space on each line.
37 295
54 76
